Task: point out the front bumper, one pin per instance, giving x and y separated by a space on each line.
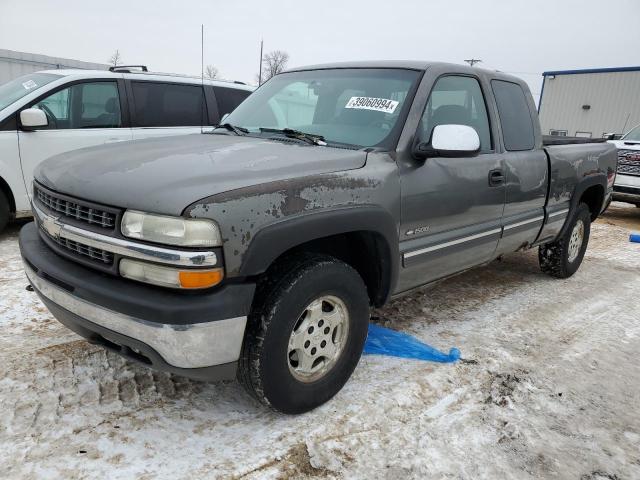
627 188
197 335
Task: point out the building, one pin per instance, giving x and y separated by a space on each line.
15 64
590 103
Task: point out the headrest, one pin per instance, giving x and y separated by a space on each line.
111 105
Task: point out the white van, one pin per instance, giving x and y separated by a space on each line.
50 112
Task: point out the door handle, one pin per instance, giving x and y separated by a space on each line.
496 178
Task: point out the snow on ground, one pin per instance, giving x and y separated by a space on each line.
549 387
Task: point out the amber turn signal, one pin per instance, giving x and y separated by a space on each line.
201 279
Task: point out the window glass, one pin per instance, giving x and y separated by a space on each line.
357 107
56 105
168 105
457 100
633 135
515 117
100 105
229 98
16 89
84 105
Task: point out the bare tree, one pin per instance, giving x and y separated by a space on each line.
211 72
115 59
273 63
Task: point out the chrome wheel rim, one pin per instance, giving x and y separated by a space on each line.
318 338
575 241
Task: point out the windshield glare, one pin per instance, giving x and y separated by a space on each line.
21 86
358 107
633 135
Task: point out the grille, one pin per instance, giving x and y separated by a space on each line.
72 209
629 162
93 253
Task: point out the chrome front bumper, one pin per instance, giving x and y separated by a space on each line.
187 346
627 188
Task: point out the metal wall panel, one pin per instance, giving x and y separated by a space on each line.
14 64
613 97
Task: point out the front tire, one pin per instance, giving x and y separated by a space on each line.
305 334
562 258
5 211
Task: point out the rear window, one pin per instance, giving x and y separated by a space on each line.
229 98
168 105
515 117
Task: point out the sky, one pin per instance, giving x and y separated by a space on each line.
515 36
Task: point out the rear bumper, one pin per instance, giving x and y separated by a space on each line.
195 335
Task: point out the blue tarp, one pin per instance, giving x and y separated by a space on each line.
634 237
384 341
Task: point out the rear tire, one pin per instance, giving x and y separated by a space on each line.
562 258
5 211
305 334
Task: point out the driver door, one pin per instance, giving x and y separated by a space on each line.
451 206
81 115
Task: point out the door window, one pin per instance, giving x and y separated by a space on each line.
168 105
84 105
229 98
457 100
515 117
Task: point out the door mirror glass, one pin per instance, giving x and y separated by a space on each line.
32 118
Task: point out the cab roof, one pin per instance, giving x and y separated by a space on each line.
82 74
418 65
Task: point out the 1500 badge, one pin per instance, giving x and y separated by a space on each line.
418 230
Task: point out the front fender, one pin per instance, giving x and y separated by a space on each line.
277 238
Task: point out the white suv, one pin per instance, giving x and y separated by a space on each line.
50 112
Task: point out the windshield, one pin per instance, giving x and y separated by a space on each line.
21 86
357 107
633 135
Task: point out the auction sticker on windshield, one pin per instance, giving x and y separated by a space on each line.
369 103
29 84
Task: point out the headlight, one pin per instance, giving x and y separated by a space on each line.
185 232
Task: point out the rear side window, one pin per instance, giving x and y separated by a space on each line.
515 117
229 98
168 105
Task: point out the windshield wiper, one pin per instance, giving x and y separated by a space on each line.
232 128
298 135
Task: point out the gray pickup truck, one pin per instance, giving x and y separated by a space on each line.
257 250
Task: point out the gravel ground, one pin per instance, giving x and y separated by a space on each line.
549 387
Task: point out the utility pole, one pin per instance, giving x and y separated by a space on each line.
473 61
260 74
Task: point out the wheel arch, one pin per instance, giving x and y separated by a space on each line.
6 189
364 237
594 189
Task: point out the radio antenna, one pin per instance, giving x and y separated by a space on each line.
202 76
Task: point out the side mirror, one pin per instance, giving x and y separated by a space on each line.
224 117
33 118
449 141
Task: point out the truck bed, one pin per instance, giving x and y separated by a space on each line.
558 140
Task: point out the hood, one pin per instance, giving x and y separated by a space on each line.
165 175
626 144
